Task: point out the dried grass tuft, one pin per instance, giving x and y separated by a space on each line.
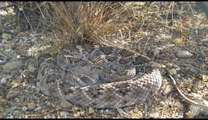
111 23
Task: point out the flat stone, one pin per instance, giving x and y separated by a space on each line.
184 54
64 113
31 105
10 66
38 108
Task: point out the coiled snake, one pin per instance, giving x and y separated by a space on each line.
99 76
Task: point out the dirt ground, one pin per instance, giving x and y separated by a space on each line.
178 41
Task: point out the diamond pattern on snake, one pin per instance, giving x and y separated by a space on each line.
99 76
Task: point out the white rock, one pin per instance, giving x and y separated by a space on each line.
3 80
154 115
24 108
38 108
184 54
64 113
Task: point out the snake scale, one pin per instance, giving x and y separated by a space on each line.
99 76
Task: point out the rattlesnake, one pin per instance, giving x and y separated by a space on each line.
99 76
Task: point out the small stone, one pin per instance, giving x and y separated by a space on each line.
178 76
184 54
48 103
38 108
53 116
178 68
167 90
64 113
91 110
3 80
157 65
6 36
162 103
82 113
205 77
24 108
8 67
156 52
179 105
172 71
169 64
194 70
31 106
154 115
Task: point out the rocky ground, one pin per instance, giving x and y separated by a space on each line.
184 58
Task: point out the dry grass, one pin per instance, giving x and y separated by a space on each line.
113 23
87 20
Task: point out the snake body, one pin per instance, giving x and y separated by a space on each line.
99 76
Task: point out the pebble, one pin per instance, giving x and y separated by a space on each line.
8 67
53 116
82 113
48 103
178 76
38 108
162 103
167 90
3 80
64 113
6 36
157 65
178 68
91 110
156 52
154 115
179 105
172 71
169 64
31 105
184 54
194 70
24 108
